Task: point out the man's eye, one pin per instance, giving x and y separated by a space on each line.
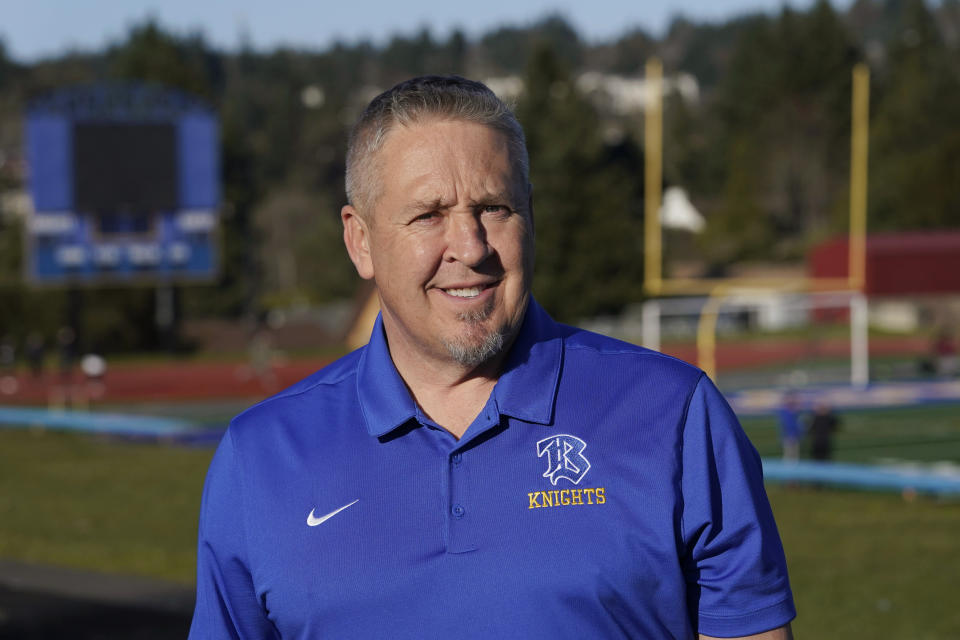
427 217
495 208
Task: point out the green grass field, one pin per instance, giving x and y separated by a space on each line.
868 565
926 433
863 565
83 501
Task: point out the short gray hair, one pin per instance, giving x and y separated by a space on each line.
414 100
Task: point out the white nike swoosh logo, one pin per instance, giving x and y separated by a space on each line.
313 521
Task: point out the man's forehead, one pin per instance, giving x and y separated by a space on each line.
426 159
435 191
477 197
433 133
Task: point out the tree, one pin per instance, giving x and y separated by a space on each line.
915 144
303 258
587 229
626 55
509 49
5 66
783 132
149 54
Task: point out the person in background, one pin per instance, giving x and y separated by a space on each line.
822 427
790 426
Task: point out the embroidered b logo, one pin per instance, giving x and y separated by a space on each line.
564 458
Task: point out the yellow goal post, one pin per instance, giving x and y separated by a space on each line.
656 286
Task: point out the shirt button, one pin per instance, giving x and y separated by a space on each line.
458 511
457 458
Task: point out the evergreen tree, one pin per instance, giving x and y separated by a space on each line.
915 143
784 125
510 49
588 232
149 54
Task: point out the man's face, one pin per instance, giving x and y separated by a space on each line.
449 241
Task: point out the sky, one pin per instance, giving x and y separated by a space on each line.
31 30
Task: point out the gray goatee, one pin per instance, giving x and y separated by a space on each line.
472 352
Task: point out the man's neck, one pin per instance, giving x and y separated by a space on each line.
450 394
454 408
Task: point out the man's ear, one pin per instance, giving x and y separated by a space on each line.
356 237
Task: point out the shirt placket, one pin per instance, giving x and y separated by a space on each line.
463 473
459 503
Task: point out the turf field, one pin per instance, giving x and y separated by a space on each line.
924 433
863 565
84 501
870 565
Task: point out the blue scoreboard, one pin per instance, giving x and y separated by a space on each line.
125 182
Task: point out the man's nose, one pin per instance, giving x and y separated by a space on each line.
467 239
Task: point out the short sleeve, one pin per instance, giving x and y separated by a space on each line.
734 561
227 605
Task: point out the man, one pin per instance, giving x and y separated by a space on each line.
478 471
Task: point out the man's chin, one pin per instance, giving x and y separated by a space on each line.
479 339
472 351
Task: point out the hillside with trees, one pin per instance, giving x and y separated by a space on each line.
761 145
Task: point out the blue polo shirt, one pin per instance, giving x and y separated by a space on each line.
605 491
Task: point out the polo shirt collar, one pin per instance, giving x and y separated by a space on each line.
526 389
384 399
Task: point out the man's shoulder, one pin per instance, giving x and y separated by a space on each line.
310 393
603 352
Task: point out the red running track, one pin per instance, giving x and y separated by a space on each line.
163 381
188 380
